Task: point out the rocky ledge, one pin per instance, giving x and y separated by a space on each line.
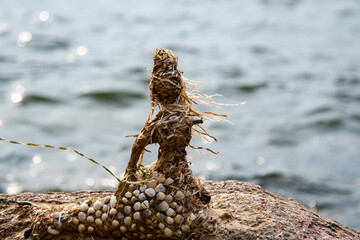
240 210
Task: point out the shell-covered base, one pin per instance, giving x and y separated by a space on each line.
154 208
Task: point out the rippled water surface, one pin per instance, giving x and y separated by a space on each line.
72 73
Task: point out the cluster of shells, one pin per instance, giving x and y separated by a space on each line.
151 209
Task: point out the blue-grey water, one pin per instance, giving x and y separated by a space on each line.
72 73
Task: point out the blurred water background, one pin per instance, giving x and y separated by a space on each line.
72 73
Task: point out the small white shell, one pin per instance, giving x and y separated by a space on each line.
145 204
98 213
112 201
127 210
160 188
90 219
53 231
97 205
81 227
179 195
150 192
163 206
104 217
160 196
84 207
82 216
105 208
98 221
57 225
142 196
137 216
142 188
127 220
179 219
123 229
90 229
75 221
136 192
90 210
170 212
168 232
185 228
151 184
168 181
124 200
120 215
106 199
112 212
170 220
169 198
133 226
179 209
173 205
133 200
115 223
146 213
161 225
161 178
128 194
137 206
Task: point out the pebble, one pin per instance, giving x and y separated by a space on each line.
168 232
142 196
127 220
136 192
75 221
179 219
137 206
90 229
128 194
169 198
161 178
170 212
160 196
133 200
170 220
151 184
82 216
179 195
98 213
112 212
81 227
168 181
137 216
90 211
174 205
124 200
105 208
115 223
146 213
120 215
57 225
84 207
97 205
106 199
90 219
98 221
160 188
104 217
142 188
53 231
132 187
150 192
179 209
133 226
123 229
145 204
127 210
161 226
112 201
185 228
163 206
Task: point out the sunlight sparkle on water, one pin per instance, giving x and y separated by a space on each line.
37 159
13 188
24 38
82 50
4 27
90 182
44 16
18 91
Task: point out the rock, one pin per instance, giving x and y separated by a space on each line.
254 213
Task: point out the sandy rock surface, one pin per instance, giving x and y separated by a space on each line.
241 211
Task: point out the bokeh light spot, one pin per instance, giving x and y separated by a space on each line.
82 50
37 159
44 16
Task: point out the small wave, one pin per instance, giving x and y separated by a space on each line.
35 98
123 98
251 87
